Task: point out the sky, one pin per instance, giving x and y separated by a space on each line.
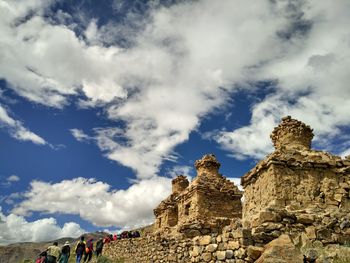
102 103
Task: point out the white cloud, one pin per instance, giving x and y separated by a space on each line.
17 130
312 84
180 69
10 199
96 202
79 135
14 228
160 87
183 65
13 178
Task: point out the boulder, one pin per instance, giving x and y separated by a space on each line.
254 252
281 250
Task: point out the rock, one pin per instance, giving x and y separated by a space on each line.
306 219
204 240
254 252
317 244
233 245
229 254
338 197
267 216
211 248
196 251
172 257
281 250
206 257
269 226
220 255
344 223
239 253
311 255
241 233
311 232
325 235
305 241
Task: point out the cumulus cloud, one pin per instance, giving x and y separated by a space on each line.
17 130
178 71
312 78
160 87
14 228
96 202
30 67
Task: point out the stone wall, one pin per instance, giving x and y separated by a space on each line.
233 245
292 238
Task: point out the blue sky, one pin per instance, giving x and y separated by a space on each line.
103 102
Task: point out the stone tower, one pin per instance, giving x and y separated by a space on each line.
205 205
298 182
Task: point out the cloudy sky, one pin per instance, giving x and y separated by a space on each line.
103 102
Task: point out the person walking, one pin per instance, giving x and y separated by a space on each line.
89 250
99 247
53 253
80 249
65 253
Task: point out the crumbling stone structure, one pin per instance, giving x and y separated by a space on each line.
206 205
296 207
297 189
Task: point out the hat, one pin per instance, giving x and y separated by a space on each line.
67 243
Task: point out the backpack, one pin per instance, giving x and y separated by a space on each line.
41 259
89 246
80 248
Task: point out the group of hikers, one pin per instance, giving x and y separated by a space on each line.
83 251
124 234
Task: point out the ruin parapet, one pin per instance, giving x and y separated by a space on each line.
179 184
292 134
207 166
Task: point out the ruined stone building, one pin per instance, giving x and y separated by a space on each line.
206 204
294 189
309 189
296 207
